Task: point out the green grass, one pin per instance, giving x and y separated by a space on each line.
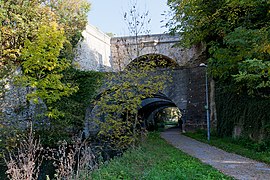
156 159
242 147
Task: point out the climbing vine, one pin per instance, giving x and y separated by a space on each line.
249 114
72 107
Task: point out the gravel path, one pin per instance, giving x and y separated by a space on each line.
230 164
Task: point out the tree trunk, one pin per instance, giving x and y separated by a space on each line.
213 110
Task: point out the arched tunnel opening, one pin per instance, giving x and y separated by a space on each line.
155 111
159 112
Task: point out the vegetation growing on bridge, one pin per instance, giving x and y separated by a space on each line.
122 126
237 37
39 37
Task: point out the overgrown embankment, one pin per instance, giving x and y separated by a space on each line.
242 115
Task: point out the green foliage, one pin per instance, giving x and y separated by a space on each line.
208 20
42 69
142 163
21 23
118 119
254 75
237 36
244 61
234 32
250 113
255 150
39 38
72 15
72 107
120 104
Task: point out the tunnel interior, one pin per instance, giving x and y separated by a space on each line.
152 108
157 109
159 112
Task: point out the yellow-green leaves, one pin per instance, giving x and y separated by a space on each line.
42 67
41 55
39 36
120 104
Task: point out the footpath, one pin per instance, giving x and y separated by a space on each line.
230 164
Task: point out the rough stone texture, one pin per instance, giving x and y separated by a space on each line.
99 52
195 110
14 109
126 49
228 163
93 52
186 91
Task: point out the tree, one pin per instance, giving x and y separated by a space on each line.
72 16
122 126
119 122
37 41
237 36
42 68
234 31
24 26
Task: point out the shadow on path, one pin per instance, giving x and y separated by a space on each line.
228 163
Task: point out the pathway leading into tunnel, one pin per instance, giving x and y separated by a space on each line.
228 163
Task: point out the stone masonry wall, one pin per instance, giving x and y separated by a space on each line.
93 52
126 49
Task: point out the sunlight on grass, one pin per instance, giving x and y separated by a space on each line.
242 147
156 159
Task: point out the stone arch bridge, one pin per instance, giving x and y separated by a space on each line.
187 88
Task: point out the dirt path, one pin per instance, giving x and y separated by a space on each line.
230 164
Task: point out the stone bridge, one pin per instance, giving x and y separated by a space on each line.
101 53
187 89
126 49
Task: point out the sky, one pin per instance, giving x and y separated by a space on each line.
108 15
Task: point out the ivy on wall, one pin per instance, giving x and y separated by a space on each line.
249 114
73 107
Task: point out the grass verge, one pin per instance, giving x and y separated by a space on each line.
156 159
242 147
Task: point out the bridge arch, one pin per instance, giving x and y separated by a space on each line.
147 111
186 91
152 105
125 49
160 61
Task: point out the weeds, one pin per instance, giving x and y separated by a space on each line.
71 161
24 162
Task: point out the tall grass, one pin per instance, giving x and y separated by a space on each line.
69 161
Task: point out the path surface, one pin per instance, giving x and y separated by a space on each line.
230 164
